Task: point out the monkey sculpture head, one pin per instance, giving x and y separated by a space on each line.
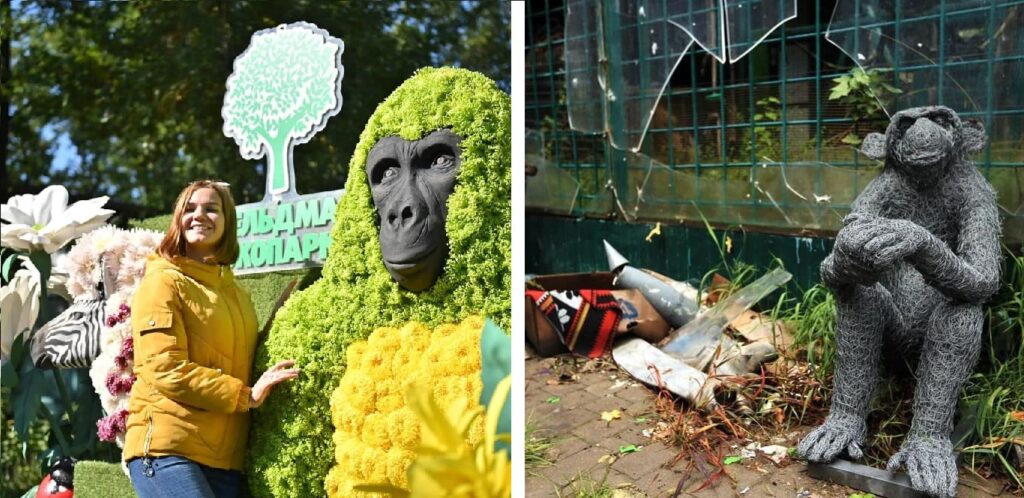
923 142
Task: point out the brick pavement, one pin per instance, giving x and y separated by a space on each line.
586 456
565 397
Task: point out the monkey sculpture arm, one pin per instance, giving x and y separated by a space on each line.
971 273
846 264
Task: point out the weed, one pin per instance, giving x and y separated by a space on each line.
813 322
585 486
537 447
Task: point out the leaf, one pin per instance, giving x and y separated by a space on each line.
729 460
861 77
552 400
891 89
654 231
851 139
861 495
640 420
629 448
25 400
9 265
612 415
1017 415
840 90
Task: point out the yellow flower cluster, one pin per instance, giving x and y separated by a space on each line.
445 464
376 433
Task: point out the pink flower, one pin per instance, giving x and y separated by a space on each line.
125 355
127 348
119 384
111 426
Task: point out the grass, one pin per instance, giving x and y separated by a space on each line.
537 447
585 486
813 322
993 394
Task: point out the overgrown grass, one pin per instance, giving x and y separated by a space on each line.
812 319
993 396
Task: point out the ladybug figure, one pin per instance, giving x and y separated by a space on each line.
59 481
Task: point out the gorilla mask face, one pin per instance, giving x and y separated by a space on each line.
410 182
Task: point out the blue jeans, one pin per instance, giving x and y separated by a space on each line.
174 477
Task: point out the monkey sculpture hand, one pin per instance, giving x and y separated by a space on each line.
911 267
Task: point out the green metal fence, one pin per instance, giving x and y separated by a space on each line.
768 141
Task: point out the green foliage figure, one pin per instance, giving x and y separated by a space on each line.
284 88
290 444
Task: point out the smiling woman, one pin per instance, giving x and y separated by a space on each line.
194 334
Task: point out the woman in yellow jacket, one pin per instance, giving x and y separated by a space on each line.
194 333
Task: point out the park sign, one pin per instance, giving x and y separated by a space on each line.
282 90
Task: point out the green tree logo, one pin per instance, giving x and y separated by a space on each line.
284 88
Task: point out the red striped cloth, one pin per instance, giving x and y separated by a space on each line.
585 319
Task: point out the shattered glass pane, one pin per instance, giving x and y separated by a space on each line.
939 52
748 22
702 20
812 195
583 79
640 62
551 188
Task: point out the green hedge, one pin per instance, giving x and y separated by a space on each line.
290 442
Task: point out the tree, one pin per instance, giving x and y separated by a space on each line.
136 88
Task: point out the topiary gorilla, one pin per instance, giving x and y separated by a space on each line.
912 266
447 127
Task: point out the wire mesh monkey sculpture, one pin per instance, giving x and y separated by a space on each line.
911 267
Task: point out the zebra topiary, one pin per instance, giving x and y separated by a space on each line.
104 269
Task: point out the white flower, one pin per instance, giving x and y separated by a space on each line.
19 306
46 222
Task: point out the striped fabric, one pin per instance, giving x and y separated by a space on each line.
585 319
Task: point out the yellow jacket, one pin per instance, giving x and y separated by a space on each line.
194 333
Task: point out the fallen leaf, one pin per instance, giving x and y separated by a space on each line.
640 420
609 459
629 448
1019 416
552 400
553 382
655 231
612 415
729 460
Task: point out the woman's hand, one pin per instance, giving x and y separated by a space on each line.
275 375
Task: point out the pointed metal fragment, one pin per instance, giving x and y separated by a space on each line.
674 307
615 259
